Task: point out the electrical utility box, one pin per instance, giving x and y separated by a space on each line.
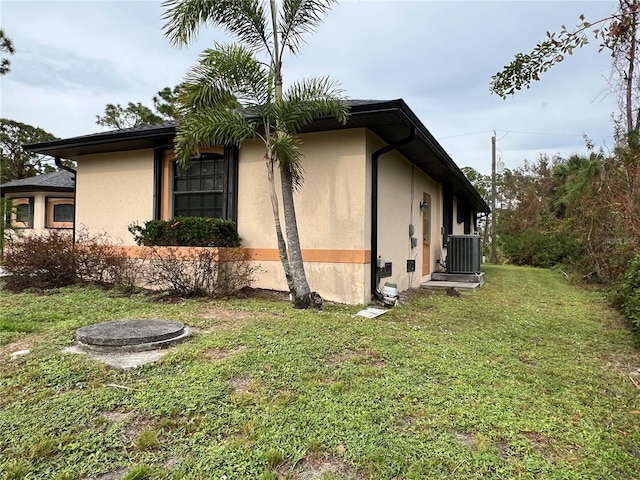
463 254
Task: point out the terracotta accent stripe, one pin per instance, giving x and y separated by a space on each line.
258 254
315 255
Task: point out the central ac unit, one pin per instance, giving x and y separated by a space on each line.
463 254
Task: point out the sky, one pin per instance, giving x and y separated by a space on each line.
74 57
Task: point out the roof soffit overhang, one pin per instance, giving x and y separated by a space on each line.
32 190
115 141
390 120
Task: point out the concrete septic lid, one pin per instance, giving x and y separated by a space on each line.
132 335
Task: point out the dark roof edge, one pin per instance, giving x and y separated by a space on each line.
34 189
103 138
147 132
402 106
151 132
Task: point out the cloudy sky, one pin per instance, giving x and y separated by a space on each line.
74 57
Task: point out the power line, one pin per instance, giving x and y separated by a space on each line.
542 134
467 134
553 134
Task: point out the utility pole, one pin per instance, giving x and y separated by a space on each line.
494 251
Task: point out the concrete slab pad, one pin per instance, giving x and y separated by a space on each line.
123 360
458 277
371 312
441 285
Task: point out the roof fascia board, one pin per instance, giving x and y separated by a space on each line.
363 108
435 146
101 139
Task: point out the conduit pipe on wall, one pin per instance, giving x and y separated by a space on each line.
374 207
73 172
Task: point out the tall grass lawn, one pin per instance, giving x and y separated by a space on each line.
527 378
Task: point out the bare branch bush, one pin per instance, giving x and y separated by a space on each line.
100 262
40 261
200 272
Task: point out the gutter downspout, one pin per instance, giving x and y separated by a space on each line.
60 165
374 207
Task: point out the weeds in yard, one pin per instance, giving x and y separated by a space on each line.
147 440
527 378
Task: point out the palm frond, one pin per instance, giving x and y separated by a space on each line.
211 127
243 19
224 72
309 99
285 149
299 17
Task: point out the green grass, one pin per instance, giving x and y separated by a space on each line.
527 378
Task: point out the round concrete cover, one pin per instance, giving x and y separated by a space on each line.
122 333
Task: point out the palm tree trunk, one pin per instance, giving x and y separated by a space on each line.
296 265
282 245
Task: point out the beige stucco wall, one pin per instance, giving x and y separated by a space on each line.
113 191
399 207
331 209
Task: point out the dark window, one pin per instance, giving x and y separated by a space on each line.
23 213
63 212
199 191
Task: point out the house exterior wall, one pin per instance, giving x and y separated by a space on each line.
332 213
40 223
400 191
115 190
333 210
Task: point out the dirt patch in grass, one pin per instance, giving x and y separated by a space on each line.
551 449
463 437
27 343
223 319
116 417
625 366
315 468
622 363
527 360
406 422
115 475
133 427
243 385
262 294
219 354
360 357
414 293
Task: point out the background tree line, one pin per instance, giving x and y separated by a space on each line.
582 211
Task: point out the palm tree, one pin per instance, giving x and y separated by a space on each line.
228 76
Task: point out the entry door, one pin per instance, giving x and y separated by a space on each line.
426 234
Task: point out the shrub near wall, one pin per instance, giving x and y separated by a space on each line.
51 260
40 261
187 232
199 270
